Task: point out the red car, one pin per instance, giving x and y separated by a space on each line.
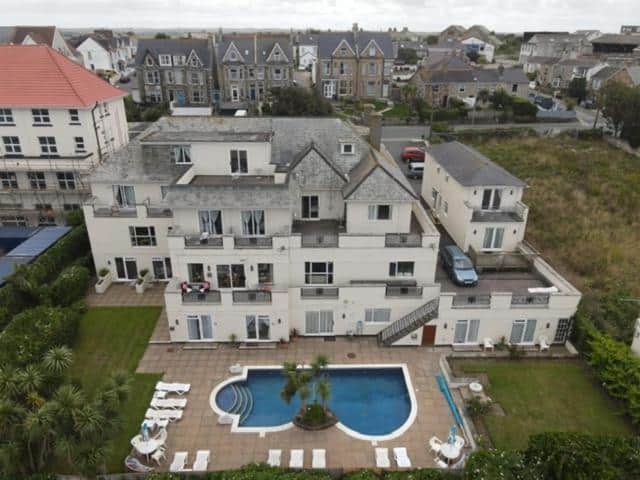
412 154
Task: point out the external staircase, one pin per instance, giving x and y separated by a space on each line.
410 322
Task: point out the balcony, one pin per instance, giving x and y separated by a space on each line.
403 240
319 292
537 300
159 212
408 292
253 242
200 241
114 211
212 296
251 296
318 233
471 301
517 213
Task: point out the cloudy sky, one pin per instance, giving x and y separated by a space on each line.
418 15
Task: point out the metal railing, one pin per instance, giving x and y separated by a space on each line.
415 292
251 296
471 301
253 242
319 292
196 241
399 240
159 212
530 300
319 240
212 296
113 211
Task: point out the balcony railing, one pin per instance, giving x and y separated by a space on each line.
319 240
212 296
531 300
198 241
412 292
253 242
319 292
159 212
471 301
399 240
251 296
113 211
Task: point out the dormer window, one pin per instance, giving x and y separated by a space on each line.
165 60
194 61
276 55
149 62
343 50
181 155
233 56
372 51
347 148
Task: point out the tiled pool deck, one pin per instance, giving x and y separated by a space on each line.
204 369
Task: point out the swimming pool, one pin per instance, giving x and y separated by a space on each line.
371 402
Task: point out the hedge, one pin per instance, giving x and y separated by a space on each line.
34 331
70 286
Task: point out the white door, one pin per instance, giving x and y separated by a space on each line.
329 89
199 327
126 268
235 96
258 327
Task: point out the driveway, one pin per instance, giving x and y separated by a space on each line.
395 148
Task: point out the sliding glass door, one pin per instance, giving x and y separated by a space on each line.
258 327
199 327
523 331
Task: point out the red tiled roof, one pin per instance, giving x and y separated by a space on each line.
38 76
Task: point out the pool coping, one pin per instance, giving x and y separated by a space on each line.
235 418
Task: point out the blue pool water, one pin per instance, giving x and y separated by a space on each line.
371 401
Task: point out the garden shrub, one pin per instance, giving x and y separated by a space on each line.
36 330
440 127
493 464
70 286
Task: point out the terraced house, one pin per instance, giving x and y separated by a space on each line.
354 64
249 66
175 70
265 226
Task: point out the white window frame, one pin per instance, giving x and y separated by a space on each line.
495 195
12 145
121 197
256 227
347 146
79 145
181 154
74 116
204 220
525 323
238 164
372 68
257 319
140 239
41 116
200 319
471 332
37 180
229 271
320 321
395 270
312 212
6 116
493 238
66 180
179 60
164 60
374 212
48 146
326 275
8 180
377 315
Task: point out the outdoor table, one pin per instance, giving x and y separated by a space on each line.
144 448
450 453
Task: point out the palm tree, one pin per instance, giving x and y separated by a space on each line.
89 422
323 390
30 380
57 360
9 384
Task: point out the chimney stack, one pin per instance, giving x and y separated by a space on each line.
375 130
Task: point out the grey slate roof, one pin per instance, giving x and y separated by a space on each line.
187 136
605 73
470 168
469 75
329 41
370 164
228 196
255 48
174 46
620 39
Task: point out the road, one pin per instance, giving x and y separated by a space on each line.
405 133
395 146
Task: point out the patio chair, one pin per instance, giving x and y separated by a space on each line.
179 462
151 424
166 414
235 369
459 442
440 463
297 459
435 443
382 458
544 346
202 461
135 465
159 394
401 457
168 402
319 459
179 388
274 457
159 455
161 437
488 344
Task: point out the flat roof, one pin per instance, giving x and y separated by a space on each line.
517 282
40 241
232 180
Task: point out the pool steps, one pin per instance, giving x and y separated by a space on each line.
243 401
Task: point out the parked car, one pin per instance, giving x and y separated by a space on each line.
412 154
416 169
124 80
544 103
458 266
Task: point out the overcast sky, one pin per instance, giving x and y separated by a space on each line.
418 15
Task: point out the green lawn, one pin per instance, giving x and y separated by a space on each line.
115 338
399 110
545 395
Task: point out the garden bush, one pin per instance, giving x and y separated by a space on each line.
34 331
70 286
493 464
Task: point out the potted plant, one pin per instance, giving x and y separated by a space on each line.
143 281
233 339
104 280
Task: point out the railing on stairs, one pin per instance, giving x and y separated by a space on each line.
409 323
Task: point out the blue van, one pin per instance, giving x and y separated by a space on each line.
458 266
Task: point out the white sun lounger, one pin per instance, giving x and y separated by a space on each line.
544 346
151 424
168 402
488 344
179 388
273 460
160 394
319 459
167 414
401 457
382 458
202 461
179 462
297 459
435 443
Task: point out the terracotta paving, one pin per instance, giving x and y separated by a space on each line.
124 294
204 369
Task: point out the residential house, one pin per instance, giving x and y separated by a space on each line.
53 133
475 44
175 70
307 48
39 35
250 65
355 64
612 73
104 51
454 78
630 29
611 45
477 38
518 296
451 32
567 69
301 224
421 48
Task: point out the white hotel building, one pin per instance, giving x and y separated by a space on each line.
260 226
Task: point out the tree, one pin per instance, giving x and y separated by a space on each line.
500 99
614 99
161 36
473 55
578 89
408 56
483 96
432 39
296 101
